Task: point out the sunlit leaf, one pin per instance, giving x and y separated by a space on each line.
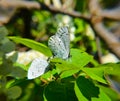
79 94
74 64
16 64
33 44
102 97
111 68
86 89
49 74
95 74
79 58
110 92
66 69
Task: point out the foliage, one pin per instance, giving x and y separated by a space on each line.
80 78
68 80
8 69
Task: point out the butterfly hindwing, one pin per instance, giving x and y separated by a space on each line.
37 68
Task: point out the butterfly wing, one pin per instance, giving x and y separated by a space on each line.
63 34
57 47
37 68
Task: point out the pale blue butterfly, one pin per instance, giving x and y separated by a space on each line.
60 43
37 68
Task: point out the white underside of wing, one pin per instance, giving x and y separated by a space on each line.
37 68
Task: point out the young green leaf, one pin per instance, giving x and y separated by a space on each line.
95 74
33 44
79 58
86 89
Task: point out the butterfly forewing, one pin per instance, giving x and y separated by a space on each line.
63 34
37 68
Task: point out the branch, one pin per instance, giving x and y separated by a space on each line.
96 9
113 14
17 4
112 42
20 4
9 7
63 11
97 25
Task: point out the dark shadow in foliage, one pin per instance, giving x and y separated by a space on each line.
3 97
37 94
87 88
60 92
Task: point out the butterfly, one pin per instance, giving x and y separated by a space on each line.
37 68
60 43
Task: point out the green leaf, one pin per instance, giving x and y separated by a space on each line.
16 64
80 24
3 32
68 73
14 92
33 44
86 89
110 92
66 69
79 58
60 92
111 68
6 67
73 64
7 46
18 72
49 74
79 94
102 97
95 74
